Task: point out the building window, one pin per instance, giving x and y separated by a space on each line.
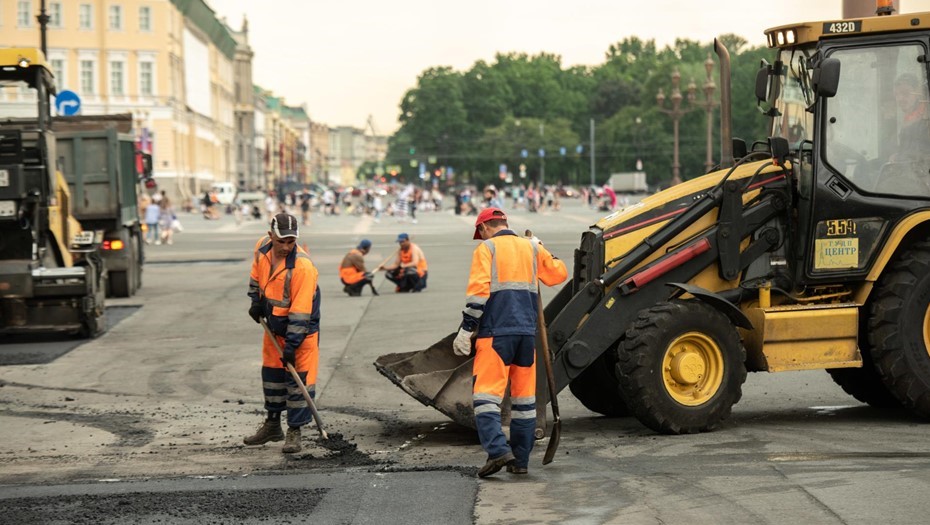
58 69
116 17
87 77
86 16
54 14
116 78
146 78
145 18
24 13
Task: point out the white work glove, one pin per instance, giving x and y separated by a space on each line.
462 344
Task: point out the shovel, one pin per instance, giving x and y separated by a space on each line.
296 376
550 378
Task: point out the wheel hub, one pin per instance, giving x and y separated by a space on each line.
687 368
692 368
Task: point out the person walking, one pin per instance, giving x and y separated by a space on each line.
501 315
152 214
166 220
409 269
352 270
283 287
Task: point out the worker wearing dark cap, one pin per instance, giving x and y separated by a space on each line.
409 269
352 270
284 291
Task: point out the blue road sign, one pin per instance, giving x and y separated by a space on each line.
67 103
562 151
579 149
524 153
542 152
503 168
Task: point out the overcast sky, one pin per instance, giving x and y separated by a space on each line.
348 59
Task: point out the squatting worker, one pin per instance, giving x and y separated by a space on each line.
501 307
283 287
409 269
352 270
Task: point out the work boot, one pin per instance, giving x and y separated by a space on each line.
269 431
292 442
513 469
495 464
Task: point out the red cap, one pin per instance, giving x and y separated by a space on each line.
486 215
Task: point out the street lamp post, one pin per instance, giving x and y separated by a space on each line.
676 112
709 104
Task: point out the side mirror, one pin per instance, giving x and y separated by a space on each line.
762 82
826 78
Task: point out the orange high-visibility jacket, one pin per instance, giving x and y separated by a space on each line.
407 257
290 292
502 287
352 268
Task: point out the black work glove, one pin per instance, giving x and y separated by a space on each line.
255 311
289 357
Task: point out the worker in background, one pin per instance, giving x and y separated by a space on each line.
352 270
284 291
409 269
501 315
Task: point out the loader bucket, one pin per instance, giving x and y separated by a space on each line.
435 377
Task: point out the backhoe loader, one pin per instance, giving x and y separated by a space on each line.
807 250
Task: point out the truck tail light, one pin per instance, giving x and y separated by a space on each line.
113 245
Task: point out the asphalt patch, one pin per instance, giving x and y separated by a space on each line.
40 349
224 506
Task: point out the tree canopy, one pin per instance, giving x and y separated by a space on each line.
530 110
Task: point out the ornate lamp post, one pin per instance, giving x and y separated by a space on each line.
709 104
676 112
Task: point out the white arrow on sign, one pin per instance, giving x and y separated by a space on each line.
68 103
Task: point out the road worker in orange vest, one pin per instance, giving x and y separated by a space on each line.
352 270
409 269
284 291
501 315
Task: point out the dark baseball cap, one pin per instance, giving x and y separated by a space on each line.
365 243
402 237
284 225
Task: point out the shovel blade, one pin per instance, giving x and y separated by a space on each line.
553 445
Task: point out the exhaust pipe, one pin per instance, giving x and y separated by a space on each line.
726 121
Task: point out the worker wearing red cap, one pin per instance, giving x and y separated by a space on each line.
284 291
501 312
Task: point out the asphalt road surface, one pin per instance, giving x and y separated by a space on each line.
145 423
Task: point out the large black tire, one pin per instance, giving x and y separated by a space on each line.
119 284
137 255
865 384
681 367
598 387
899 328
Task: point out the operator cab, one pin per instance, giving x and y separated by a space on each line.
852 99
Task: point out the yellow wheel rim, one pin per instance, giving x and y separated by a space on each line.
692 368
927 330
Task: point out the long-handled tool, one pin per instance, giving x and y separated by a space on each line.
550 378
296 376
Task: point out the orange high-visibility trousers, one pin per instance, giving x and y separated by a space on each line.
497 360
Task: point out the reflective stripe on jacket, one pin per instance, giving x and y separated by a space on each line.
290 292
352 268
501 295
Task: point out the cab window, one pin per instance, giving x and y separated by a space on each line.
876 130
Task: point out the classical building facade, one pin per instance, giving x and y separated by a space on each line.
168 62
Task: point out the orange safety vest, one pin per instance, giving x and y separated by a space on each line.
347 271
406 257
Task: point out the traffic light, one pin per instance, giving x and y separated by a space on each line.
413 151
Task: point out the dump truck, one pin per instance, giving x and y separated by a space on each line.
52 275
97 155
807 250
